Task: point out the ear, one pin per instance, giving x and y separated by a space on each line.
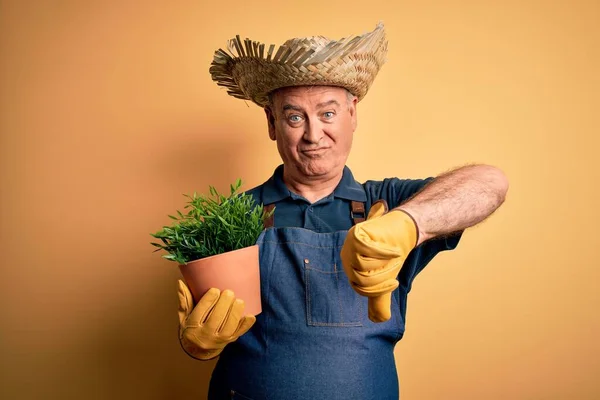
352 110
270 122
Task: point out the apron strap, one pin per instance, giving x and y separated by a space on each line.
357 213
269 222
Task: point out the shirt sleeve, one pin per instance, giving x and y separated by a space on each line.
395 192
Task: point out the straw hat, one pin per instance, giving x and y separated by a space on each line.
251 73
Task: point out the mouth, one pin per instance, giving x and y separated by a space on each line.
316 151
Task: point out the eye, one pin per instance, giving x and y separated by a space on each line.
295 118
328 114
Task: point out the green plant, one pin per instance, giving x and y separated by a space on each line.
213 225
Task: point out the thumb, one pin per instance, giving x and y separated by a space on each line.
380 307
186 303
378 208
245 325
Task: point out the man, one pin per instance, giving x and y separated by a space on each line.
334 285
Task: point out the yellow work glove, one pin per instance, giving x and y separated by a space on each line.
216 320
373 253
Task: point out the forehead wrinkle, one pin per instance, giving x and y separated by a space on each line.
328 103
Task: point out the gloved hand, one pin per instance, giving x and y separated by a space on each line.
216 320
373 253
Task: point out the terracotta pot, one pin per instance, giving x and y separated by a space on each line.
236 270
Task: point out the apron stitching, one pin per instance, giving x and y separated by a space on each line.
339 324
303 244
309 307
268 289
321 271
309 304
339 294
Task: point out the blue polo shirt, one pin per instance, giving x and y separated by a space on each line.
332 213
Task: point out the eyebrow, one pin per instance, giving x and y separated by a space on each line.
328 103
292 107
300 109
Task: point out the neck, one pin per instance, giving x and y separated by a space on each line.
312 189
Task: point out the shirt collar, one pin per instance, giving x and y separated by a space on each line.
350 189
275 190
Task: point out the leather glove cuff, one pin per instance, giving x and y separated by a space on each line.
414 222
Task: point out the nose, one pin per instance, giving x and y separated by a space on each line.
313 132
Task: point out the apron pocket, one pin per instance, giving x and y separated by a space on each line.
330 301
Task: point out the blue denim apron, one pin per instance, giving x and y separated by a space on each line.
313 339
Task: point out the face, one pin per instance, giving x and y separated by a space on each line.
313 127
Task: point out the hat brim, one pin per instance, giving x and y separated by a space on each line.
249 72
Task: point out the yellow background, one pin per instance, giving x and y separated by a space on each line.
108 114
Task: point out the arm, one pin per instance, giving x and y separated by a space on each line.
375 250
456 200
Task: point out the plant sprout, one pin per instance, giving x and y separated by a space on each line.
212 225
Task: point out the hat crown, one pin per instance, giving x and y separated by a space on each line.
317 43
